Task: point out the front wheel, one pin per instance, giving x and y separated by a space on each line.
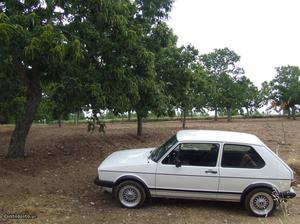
130 194
260 202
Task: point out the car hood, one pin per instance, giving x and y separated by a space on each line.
126 159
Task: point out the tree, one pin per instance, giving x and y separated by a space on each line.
286 88
186 81
32 45
151 97
52 42
223 71
163 42
265 93
179 70
229 94
136 81
125 54
249 96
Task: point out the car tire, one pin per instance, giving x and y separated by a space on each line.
260 202
130 194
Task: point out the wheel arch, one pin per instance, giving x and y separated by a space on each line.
253 186
133 178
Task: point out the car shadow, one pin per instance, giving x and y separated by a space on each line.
231 207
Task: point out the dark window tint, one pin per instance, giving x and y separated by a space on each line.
170 158
241 156
194 154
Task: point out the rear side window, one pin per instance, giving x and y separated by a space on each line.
241 156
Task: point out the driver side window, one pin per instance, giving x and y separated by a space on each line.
194 154
171 157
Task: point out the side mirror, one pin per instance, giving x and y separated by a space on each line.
177 162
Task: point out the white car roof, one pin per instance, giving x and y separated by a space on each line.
218 136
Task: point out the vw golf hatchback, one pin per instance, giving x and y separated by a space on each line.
200 164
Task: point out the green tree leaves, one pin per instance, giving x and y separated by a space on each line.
224 79
73 54
286 87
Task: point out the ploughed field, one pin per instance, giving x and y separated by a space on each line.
55 181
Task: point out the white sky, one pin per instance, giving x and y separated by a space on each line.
265 33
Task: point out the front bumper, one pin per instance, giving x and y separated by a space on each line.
288 194
103 183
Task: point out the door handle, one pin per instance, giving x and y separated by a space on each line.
211 171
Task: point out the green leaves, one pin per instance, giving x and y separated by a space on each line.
9 31
221 61
183 77
4 18
33 20
6 32
101 54
77 51
51 46
33 49
286 85
224 78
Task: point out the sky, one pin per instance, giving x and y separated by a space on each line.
265 33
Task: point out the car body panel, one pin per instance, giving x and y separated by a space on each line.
133 163
176 180
126 158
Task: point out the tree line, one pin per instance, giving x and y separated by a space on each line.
65 56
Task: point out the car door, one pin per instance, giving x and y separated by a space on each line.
195 175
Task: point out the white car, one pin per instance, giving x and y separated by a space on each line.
200 164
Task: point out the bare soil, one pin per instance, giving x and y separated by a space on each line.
55 181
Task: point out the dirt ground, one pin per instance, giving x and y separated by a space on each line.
55 181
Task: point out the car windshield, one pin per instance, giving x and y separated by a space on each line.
161 150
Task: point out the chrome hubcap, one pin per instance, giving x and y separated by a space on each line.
129 196
261 203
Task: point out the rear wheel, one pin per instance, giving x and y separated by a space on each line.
260 202
130 194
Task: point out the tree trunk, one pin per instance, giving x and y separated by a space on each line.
294 112
77 117
229 114
184 119
16 147
289 113
139 125
129 115
59 122
247 109
216 113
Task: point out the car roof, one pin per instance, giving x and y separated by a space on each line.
218 136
